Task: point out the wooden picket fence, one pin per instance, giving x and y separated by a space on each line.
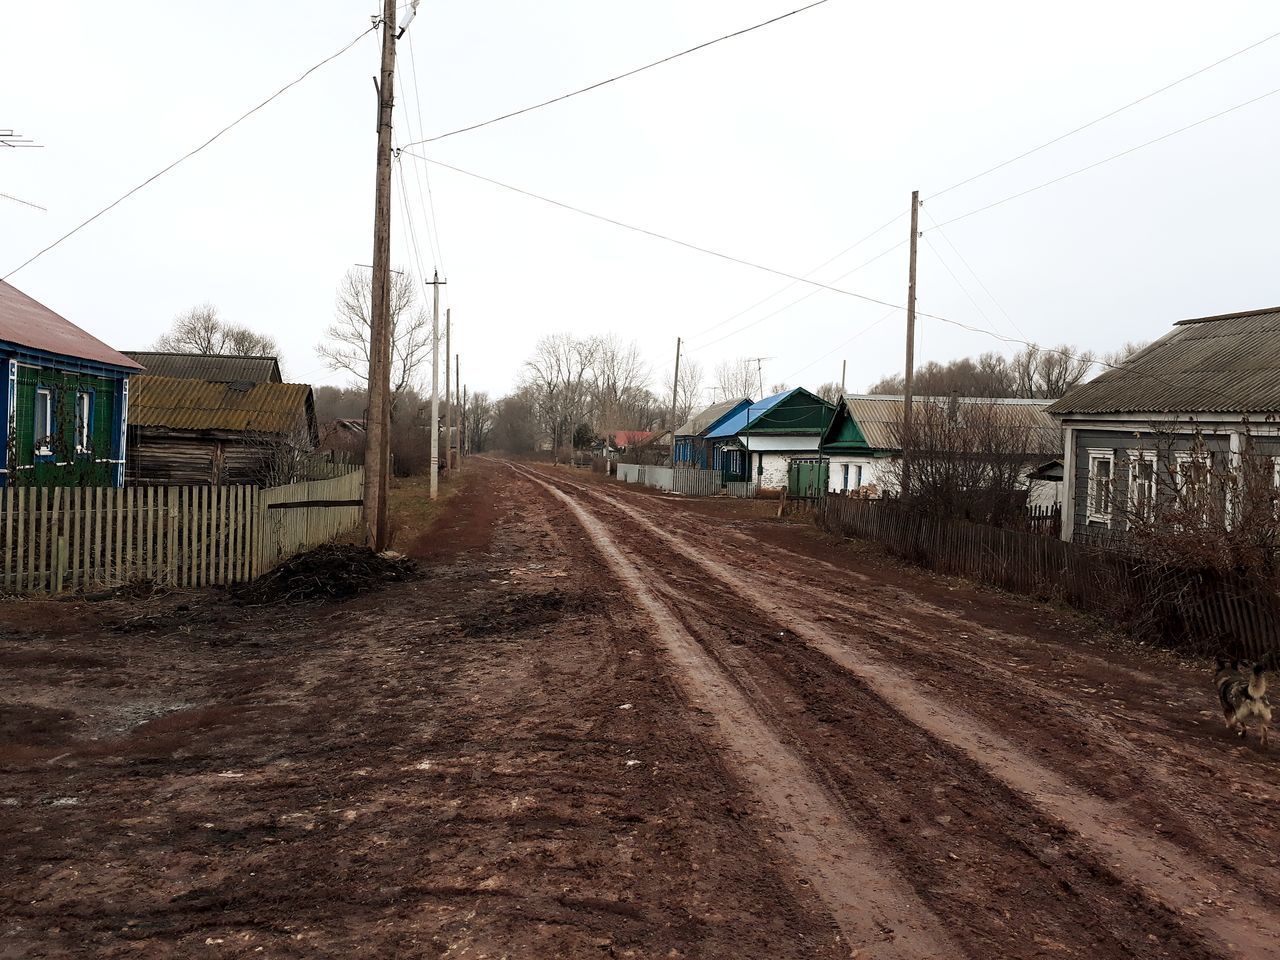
54 539
1196 612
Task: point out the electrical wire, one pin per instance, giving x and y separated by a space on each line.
622 76
25 203
433 223
1114 156
808 273
840 346
1105 116
973 273
963 289
652 233
186 156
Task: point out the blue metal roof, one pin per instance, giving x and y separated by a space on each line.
735 424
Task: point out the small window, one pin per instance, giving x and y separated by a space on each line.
43 422
1142 484
1100 469
84 418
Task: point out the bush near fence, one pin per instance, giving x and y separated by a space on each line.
1193 612
58 538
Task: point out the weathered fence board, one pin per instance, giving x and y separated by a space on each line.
1194 611
54 539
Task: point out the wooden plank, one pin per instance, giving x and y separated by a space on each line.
8 536
44 548
171 541
56 551
234 539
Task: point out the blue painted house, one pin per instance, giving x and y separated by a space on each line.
761 441
67 399
693 449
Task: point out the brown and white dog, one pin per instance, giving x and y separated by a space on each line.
1242 691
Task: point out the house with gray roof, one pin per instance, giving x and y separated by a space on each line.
693 449
1190 404
214 367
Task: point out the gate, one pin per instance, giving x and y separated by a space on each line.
807 478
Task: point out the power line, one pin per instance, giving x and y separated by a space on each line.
652 233
840 346
1105 116
25 203
808 273
973 273
798 301
621 76
186 156
1114 156
432 224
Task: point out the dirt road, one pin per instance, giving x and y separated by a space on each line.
610 723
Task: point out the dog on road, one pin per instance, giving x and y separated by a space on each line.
1242 691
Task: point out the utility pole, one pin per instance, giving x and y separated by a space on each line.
457 379
464 437
843 367
377 458
675 393
435 384
448 370
909 375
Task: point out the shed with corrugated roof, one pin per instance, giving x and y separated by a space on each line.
185 431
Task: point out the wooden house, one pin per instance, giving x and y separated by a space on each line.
761 441
67 399
201 431
693 449
1192 402
863 441
215 367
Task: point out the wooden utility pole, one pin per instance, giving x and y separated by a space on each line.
377 453
457 379
844 365
448 398
462 445
909 376
435 385
675 393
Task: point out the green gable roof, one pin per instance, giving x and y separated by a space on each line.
799 412
844 435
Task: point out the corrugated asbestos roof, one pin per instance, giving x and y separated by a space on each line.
880 418
1226 364
33 325
706 418
205 405
218 367
733 426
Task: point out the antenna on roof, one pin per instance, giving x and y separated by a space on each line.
759 362
8 138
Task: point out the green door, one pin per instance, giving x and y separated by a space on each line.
807 479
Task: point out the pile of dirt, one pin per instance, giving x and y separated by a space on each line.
328 573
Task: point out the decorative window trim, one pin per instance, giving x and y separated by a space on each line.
1097 455
43 395
1137 457
84 420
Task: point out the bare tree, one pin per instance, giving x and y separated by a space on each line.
618 385
1034 373
515 422
688 390
968 460
558 379
347 345
737 378
1129 348
829 392
479 421
200 330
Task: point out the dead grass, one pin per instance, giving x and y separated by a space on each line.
412 509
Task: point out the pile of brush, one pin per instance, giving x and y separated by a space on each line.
327 573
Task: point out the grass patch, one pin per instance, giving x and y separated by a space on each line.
411 508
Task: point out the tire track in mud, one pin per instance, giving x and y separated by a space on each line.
1182 882
1119 766
875 910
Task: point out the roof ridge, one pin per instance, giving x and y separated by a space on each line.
1227 316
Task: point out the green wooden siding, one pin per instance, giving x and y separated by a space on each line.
801 413
844 435
65 466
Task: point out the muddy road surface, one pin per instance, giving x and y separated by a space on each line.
608 723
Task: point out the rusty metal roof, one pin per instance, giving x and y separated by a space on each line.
880 418
1224 364
222 368
708 417
240 407
31 324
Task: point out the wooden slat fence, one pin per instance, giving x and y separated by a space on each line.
54 539
1195 612
696 483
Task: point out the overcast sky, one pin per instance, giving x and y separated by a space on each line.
781 147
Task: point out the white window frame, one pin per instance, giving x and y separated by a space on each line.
42 448
1137 457
84 416
1097 455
